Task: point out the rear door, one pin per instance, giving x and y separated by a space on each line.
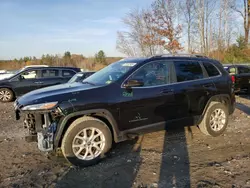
49 77
192 90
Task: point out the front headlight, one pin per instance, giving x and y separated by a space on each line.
42 106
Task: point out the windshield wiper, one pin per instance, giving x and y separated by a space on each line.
90 83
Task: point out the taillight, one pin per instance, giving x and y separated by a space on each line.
233 78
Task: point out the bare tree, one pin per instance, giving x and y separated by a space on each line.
189 16
163 19
244 12
132 42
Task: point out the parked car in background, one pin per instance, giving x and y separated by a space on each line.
240 75
127 98
80 76
5 74
31 78
8 73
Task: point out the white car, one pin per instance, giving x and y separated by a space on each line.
6 74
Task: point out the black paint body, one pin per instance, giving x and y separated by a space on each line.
131 110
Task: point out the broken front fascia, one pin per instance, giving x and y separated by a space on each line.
43 124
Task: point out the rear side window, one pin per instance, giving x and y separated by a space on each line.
243 70
211 69
188 70
50 73
231 70
68 73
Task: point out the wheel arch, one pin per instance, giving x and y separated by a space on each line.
101 114
223 98
10 88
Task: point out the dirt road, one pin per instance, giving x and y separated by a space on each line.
178 158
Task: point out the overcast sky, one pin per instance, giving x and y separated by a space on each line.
36 27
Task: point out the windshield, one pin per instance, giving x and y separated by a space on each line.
76 78
110 73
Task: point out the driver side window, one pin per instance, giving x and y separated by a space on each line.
153 74
29 75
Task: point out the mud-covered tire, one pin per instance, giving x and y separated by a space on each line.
6 95
205 126
79 125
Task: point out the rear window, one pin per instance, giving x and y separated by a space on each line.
188 70
68 73
231 70
211 69
50 73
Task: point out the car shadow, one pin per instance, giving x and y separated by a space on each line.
117 170
244 108
241 106
175 170
125 166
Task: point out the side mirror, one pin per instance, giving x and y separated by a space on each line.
20 78
133 83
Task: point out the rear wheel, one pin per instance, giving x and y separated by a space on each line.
6 95
86 141
215 120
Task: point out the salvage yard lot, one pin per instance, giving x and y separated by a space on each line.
177 158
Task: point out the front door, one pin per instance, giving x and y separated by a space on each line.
152 103
25 82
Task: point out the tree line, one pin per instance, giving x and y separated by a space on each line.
216 28
91 63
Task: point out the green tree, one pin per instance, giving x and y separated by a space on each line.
241 43
25 59
67 58
237 53
100 57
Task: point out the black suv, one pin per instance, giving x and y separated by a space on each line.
240 75
32 78
127 98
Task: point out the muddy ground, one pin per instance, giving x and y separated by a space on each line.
178 158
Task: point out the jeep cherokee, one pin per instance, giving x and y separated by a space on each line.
127 98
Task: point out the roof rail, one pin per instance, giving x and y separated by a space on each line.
179 55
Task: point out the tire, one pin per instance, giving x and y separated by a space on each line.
77 128
206 127
6 95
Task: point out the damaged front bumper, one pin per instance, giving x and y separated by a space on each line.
41 126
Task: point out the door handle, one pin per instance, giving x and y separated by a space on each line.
208 85
165 91
38 82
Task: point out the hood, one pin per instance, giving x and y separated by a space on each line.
5 76
53 93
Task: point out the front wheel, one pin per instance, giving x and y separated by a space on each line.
215 120
6 95
86 141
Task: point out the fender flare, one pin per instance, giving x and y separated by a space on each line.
98 112
219 98
10 88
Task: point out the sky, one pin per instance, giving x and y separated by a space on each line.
36 27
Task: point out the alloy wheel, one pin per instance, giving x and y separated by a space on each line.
5 95
217 120
88 143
